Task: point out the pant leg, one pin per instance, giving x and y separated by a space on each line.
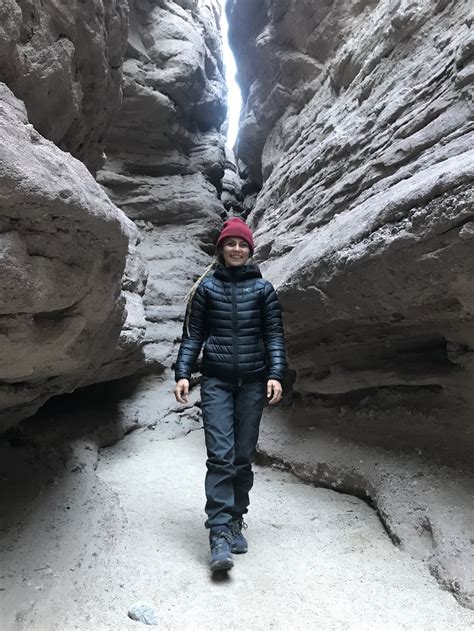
250 400
217 404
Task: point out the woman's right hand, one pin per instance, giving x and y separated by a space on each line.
181 391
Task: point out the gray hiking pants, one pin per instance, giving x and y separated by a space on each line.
231 415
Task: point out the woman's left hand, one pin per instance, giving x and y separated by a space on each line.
273 391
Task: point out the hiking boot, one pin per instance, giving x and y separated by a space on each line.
239 543
220 538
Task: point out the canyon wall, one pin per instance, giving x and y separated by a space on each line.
64 61
357 128
68 260
357 133
166 155
143 80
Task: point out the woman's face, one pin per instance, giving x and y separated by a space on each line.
235 252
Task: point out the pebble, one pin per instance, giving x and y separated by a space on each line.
142 612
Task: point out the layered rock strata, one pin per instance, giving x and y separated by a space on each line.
166 154
166 162
365 215
357 130
63 251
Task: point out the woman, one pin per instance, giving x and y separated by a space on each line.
236 314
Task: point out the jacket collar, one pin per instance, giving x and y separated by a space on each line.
242 272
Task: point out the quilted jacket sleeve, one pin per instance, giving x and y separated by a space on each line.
273 334
193 339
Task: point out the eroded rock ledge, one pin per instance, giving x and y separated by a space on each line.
396 458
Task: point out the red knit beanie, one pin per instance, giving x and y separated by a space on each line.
235 227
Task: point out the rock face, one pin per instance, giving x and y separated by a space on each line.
357 131
63 60
166 154
69 319
66 244
357 125
62 256
232 196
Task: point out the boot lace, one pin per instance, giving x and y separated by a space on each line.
237 526
221 540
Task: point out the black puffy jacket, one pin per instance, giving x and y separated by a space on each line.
236 314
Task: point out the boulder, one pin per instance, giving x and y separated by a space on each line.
62 257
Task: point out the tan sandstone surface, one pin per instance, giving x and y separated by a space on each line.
154 70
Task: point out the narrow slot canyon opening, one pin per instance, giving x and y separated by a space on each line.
234 97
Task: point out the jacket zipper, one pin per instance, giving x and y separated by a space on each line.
234 327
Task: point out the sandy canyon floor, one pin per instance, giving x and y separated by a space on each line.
86 532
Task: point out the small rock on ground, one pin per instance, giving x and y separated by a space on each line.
141 612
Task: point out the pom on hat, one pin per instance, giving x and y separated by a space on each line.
235 227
